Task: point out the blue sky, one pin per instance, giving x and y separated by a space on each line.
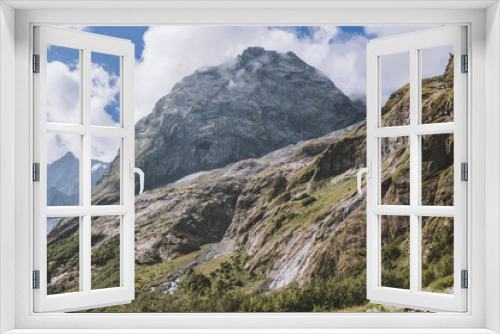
136 35
166 54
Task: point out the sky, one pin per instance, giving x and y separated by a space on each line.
166 54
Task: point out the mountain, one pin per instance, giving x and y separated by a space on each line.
282 232
97 171
254 104
63 179
55 197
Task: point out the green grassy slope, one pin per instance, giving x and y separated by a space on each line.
281 212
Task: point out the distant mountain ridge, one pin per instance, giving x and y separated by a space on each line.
283 232
254 104
63 178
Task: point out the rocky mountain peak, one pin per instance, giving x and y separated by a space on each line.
290 220
256 103
257 54
63 178
68 157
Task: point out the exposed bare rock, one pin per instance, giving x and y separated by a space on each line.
254 104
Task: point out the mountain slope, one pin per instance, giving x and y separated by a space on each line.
63 178
285 231
257 103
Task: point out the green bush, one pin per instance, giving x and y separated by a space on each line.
199 293
193 283
110 249
309 200
96 238
106 264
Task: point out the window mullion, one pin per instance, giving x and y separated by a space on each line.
421 129
85 237
396 131
66 211
415 297
414 173
433 129
109 210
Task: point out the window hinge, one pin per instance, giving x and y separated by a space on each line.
36 279
36 63
36 172
464 171
465 63
465 279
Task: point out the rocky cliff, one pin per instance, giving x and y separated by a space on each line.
254 104
63 178
286 230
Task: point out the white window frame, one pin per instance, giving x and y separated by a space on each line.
413 44
85 43
483 102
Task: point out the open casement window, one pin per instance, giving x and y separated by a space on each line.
63 197
406 213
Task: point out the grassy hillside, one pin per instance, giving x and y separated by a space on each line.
283 237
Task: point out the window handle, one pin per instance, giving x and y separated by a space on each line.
141 176
368 171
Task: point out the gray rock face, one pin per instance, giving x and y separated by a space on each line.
63 179
257 103
210 208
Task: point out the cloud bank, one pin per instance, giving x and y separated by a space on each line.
63 106
170 53
173 52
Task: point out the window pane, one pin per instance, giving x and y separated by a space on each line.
437 170
437 84
106 168
395 89
395 167
437 254
105 90
63 255
105 252
63 169
63 85
395 251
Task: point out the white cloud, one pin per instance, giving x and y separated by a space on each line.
105 91
170 53
60 144
79 28
395 68
63 93
434 60
104 148
387 31
63 96
395 73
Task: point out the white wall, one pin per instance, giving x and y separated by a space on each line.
7 162
22 132
492 166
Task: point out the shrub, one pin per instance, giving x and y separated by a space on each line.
309 200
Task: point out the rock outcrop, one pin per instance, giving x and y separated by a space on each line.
254 104
63 179
295 212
